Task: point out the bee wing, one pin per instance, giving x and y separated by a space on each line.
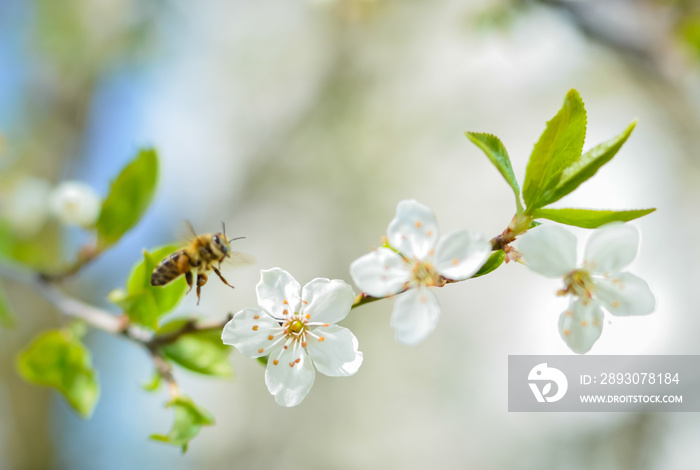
189 230
240 258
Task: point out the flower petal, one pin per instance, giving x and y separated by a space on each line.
250 331
326 301
278 292
380 273
581 325
289 376
625 294
416 313
549 251
334 352
612 248
413 230
460 254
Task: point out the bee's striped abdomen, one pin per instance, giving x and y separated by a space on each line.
170 269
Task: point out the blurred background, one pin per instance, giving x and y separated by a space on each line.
301 124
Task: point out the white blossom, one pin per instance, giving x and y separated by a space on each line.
418 259
598 284
296 329
75 203
25 206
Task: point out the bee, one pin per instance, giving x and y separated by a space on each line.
204 253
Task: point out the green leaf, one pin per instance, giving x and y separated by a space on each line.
154 384
588 165
589 218
495 260
166 297
189 419
129 197
41 251
497 153
141 308
141 301
58 359
7 316
201 351
559 146
263 360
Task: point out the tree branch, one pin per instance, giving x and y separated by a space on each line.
114 324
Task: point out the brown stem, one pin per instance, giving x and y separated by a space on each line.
190 326
114 324
165 371
87 254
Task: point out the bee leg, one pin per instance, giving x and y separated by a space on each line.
188 278
218 273
201 280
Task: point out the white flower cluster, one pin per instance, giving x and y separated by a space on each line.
295 329
30 201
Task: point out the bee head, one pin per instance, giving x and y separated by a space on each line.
222 242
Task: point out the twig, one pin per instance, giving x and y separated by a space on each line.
113 324
165 371
93 316
87 254
191 326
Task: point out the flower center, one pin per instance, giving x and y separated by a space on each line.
423 273
579 283
295 328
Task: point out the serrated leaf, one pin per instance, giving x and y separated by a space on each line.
189 419
589 218
201 352
559 146
588 165
142 302
7 316
129 197
495 260
498 155
58 359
